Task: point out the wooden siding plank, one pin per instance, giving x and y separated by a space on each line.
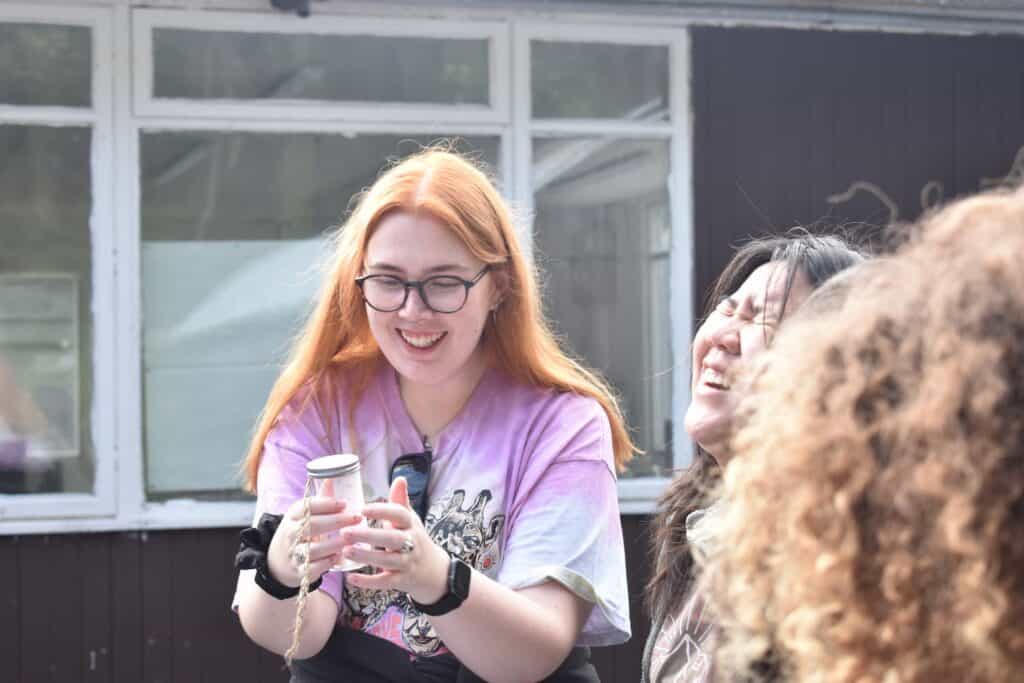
158 607
10 609
126 607
188 564
50 610
94 582
216 623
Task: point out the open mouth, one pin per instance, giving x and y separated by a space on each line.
714 379
422 341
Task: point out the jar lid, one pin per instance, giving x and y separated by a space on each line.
332 465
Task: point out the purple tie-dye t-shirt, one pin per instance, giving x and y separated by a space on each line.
522 488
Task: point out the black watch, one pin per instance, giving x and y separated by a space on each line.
459 574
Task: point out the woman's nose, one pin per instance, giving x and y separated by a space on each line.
727 338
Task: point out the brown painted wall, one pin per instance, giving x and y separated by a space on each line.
154 608
785 118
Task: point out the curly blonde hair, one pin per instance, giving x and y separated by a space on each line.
874 520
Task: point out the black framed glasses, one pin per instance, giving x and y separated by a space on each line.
415 468
440 293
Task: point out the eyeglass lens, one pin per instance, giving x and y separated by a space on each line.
443 294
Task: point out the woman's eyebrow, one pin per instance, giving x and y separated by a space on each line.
384 266
446 267
391 268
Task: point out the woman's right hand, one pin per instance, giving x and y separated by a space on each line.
326 515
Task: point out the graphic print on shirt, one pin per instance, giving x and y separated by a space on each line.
679 654
465 533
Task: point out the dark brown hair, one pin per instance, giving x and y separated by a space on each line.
818 257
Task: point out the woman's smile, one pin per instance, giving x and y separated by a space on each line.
421 341
713 379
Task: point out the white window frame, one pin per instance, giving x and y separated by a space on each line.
102 502
637 495
495 33
122 73
121 85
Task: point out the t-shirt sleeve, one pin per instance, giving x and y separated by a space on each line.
565 526
281 479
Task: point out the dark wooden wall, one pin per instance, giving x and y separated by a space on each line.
155 608
783 119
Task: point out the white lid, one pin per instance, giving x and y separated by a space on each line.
332 465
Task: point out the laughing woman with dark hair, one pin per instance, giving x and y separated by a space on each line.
766 280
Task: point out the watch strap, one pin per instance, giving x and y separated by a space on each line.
459 574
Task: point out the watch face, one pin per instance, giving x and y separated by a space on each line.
459 583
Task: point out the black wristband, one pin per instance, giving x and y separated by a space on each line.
252 554
276 589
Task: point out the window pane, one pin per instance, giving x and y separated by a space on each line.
595 80
269 66
45 65
603 240
45 325
232 229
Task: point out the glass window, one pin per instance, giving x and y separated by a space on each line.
355 68
603 240
45 65
45 323
232 229
598 80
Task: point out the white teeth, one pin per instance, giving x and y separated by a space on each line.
711 376
421 341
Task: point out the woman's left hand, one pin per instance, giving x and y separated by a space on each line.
400 549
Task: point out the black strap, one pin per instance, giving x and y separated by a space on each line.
252 554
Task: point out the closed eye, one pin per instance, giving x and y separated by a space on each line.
445 282
386 282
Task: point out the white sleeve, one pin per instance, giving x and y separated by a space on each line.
568 530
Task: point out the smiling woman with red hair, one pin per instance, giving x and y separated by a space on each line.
429 340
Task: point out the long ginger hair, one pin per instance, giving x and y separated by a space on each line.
517 338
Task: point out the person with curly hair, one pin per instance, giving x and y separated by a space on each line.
766 280
873 511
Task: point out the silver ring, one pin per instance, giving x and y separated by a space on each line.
299 553
407 546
